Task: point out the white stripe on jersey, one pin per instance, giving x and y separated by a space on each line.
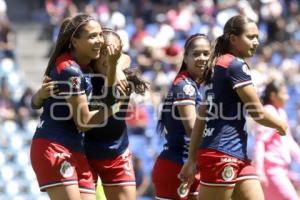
184 102
241 84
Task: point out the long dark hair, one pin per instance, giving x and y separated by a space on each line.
70 27
160 124
273 86
234 26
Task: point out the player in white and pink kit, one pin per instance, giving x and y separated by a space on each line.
273 153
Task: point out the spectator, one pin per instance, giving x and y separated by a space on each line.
7 105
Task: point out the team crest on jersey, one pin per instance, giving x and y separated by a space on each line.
75 82
228 173
66 169
189 90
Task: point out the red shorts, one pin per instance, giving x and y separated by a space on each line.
114 172
166 183
220 169
55 165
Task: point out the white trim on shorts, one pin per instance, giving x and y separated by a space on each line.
218 184
159 198
247 177
129 183
44 187
86 190
190 194
193 193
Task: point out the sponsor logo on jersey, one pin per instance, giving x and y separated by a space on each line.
228 173
62 155
208 132
227 160
66 169
40 124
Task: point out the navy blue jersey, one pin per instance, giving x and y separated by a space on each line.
225 128
184 91
111 139
56 122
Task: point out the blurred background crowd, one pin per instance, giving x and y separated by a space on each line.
153 34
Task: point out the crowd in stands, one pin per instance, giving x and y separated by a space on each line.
153 33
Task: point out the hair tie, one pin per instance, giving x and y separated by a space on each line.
80 24
199 35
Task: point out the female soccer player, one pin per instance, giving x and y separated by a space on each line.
106 146
57 153
220 130
273 153
177 120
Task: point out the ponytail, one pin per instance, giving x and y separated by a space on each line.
234 26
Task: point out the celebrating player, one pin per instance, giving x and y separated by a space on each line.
177 120
219 132
57 153
107 145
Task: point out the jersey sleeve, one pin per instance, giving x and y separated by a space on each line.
239 74
184 93
71 82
